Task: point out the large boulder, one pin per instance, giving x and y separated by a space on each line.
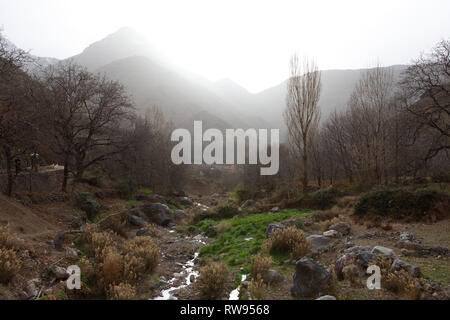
341 227
157 213
318 243
311 279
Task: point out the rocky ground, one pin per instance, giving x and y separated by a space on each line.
340 250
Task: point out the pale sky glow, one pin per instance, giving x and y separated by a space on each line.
247 41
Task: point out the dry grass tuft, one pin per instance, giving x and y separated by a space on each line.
145 249
223 226
212 279
122 291
257 288
10 264
290 240
8 240
260 266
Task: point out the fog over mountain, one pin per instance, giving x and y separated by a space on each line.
183 96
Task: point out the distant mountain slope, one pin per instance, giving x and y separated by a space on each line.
151 84
337 86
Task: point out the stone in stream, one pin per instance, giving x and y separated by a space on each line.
311 279
157 213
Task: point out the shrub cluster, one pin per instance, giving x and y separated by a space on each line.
86 203
10 262
117 264
212 279
260 266
398 203
290 240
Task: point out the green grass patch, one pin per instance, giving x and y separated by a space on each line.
432 269
244 238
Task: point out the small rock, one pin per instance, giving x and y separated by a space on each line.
318 242
185 201
192 278
180 215
72 253
326 298
272 276
245 284
143 233
383 251
275 210
342 227
137 221
58 272
331 234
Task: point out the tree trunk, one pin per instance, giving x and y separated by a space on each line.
305 172
9 165
66 174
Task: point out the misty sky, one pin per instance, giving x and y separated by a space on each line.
247 41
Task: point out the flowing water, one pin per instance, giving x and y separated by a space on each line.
234 295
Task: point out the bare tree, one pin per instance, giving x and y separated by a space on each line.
427 83
302 113
17 113
85 112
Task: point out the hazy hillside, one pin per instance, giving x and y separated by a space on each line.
184 96
337 86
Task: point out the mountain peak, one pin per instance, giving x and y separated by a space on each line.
124 43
